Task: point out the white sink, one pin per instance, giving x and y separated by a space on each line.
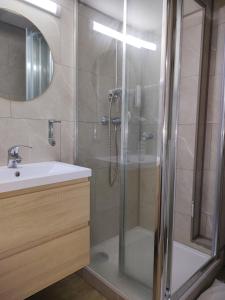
31 175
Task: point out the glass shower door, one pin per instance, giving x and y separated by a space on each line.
140 140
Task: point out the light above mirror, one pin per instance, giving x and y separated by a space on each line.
26 63
47 5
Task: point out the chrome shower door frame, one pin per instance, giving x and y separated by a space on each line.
168 107
170 99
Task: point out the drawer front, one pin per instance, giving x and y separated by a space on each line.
30 219
30 271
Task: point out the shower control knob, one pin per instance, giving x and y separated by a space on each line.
147 136
104 120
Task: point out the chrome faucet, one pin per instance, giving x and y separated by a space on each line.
13 156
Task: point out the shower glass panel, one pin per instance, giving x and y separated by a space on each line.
140 139
118 135
190 124
100 27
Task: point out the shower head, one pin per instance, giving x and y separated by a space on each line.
115 95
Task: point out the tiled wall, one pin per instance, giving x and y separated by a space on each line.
187 118
186 137
27 122
12 62
150 119
213 117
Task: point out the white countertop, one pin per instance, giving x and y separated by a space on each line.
37 174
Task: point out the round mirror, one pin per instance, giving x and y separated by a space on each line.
26 63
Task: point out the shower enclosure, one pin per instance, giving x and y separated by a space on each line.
142 128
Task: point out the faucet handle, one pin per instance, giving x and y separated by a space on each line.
14 150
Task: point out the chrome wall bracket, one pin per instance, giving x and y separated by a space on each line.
51 137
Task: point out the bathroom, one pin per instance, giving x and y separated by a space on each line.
112 149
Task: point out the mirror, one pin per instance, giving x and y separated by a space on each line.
26 63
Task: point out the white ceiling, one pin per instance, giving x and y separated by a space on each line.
141 14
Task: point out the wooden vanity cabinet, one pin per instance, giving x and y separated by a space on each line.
44 236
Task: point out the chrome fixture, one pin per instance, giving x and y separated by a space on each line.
51 138
146 136
104 120
13 156
114 96
116 121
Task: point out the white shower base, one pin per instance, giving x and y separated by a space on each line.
139 245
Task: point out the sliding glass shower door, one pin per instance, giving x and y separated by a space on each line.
141 133
120 103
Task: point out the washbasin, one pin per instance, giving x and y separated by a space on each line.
37 174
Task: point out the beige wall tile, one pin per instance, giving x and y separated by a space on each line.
87 96
189 87
66 3
191 49
184 191
93 150
209 192
148 185
104 225
219 11
209 227
214 100
186 147
208 147
193 19
218 47
67 27
5 110
190 7
67 142
28 132
29 120
203 224
132 198
55 103
147 216
182 228
107 197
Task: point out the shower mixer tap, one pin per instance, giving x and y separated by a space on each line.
116 121
147 136
115 95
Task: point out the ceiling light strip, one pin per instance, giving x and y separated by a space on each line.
129 39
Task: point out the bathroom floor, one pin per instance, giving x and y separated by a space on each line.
71 288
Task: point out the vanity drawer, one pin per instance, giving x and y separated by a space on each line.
33 218
28 272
